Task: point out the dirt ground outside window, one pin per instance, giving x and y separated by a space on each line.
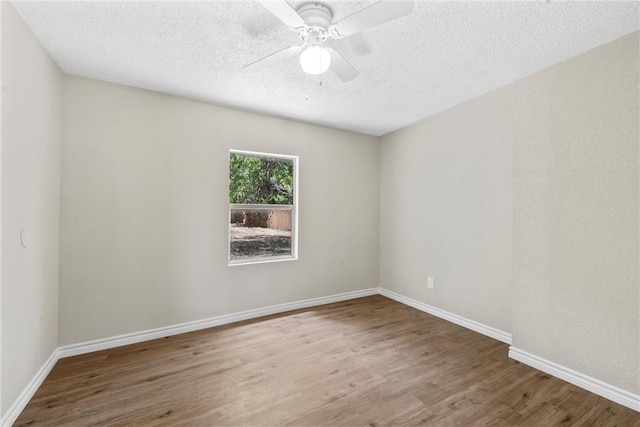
258 242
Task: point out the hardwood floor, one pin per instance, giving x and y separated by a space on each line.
370 361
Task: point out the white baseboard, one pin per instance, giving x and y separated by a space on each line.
18 406
586 382
136 337
453 318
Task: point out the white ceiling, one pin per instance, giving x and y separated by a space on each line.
443 54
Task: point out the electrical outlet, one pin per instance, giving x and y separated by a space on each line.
430 283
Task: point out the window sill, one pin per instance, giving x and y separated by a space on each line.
261 260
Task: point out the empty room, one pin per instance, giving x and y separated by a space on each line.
334 213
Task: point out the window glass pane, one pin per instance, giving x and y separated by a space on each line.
260 180
258 233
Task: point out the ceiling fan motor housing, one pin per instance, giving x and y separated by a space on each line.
318 18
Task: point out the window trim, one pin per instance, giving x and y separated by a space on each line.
293 208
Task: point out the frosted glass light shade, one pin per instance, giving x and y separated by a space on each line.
315 60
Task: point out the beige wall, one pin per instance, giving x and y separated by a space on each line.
549 163
144 211
446 211
31 135
2 405
576 278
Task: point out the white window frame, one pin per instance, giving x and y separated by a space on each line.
293 208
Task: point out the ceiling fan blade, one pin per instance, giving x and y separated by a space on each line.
376 14
343 68
273 59
284 12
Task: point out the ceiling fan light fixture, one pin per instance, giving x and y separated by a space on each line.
315 59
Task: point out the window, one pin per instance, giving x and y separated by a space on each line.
262 207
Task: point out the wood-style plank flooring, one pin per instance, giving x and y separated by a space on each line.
364 362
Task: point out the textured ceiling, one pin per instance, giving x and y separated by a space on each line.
443 54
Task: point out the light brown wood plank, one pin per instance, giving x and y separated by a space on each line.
370 361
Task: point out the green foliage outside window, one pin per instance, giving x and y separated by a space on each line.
260 180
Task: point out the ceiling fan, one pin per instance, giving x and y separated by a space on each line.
314 22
